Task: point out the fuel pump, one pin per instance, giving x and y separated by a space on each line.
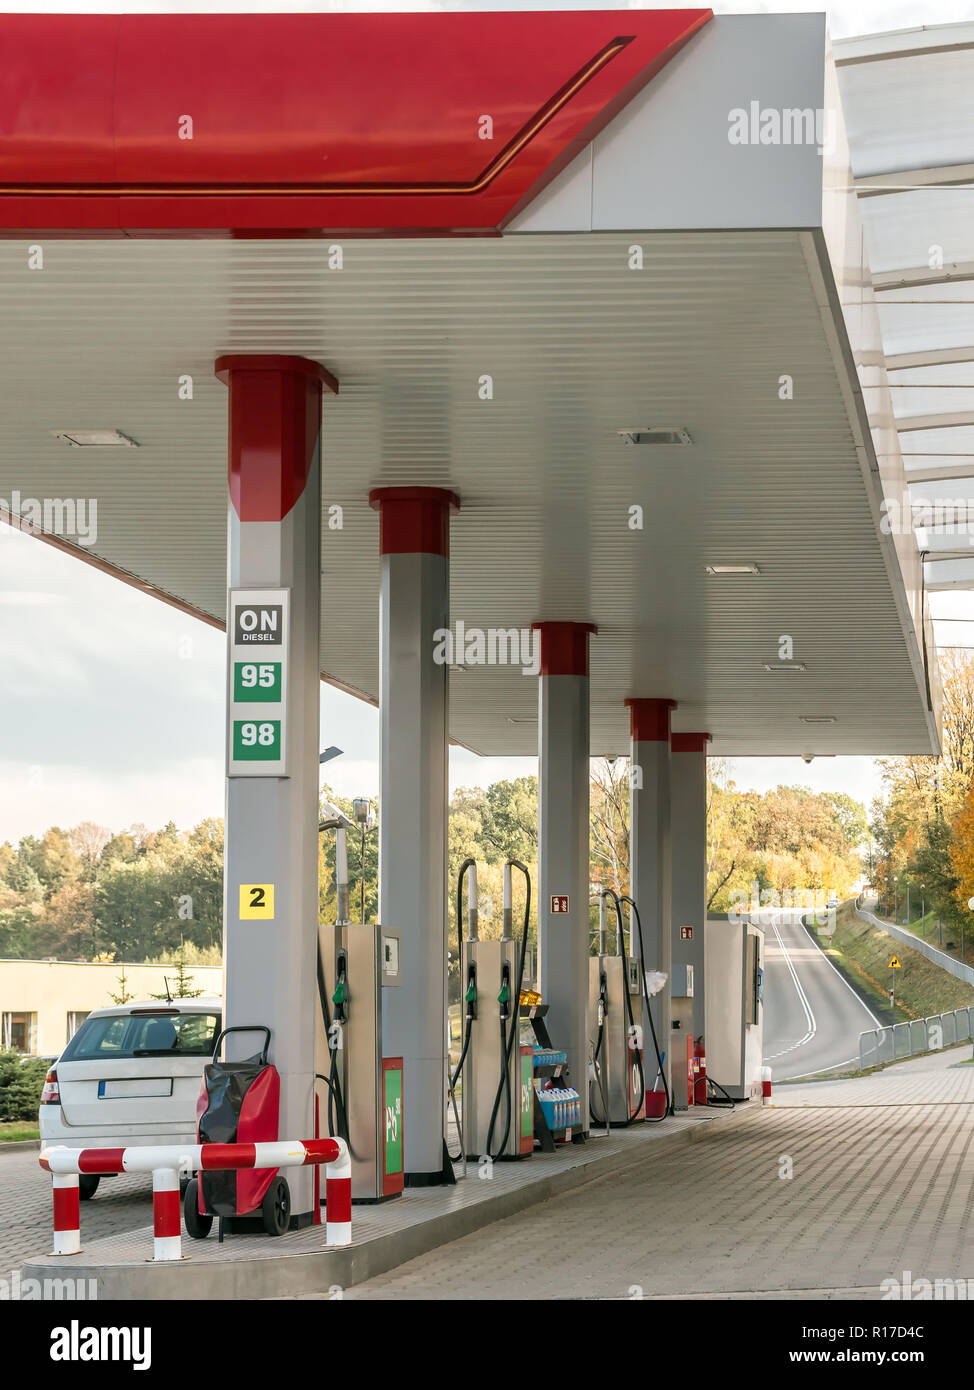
356 961
686 1063
661 1072
614 981
497 1113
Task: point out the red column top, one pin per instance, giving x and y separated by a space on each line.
564 648
649 720
414 520
275 421
689 743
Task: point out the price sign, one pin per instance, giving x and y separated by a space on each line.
258 632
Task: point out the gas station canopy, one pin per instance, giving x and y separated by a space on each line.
520 243
909 103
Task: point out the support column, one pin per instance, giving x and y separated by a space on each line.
650 859
563 841
689 855
271 833
414 546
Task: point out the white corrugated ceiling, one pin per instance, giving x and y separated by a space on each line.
579 347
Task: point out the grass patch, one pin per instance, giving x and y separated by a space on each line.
865 951
13 1130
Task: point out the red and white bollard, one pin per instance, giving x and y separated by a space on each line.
67 1214
166 1162
765 1085
338 1199
167 1239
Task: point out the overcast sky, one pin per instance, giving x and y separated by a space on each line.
97 727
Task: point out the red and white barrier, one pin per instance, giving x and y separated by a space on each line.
765 1085
67 1215
167 1162
166 1230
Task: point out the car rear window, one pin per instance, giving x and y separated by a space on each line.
123 1036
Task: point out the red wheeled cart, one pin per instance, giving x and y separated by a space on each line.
239 1103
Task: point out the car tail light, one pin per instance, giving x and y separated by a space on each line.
50 1095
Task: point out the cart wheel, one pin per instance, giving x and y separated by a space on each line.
276 1208
196 1226
88 1185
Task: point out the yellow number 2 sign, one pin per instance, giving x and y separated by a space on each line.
257 900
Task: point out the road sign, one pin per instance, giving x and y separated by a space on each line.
894 964
258 630
559 902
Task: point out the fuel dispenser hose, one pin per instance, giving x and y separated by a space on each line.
507 1041
621 943
468 1014
336 1101
650 1119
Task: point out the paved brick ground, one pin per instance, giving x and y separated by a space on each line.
877 1188
882 1182
120 1204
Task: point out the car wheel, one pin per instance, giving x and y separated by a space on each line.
197 1226
275 1209
88 1185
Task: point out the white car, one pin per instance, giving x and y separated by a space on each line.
130 1075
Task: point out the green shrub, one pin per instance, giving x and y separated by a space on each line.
21 1080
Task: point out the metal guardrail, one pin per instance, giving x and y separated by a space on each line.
912 1039
957 968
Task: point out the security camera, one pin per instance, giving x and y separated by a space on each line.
807 757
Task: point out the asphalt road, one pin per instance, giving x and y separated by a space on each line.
812 1017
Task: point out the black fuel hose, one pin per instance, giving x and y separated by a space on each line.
331 1081
727 1099
598 1049
621 943
507 1042
650 1119
468 1017
467 864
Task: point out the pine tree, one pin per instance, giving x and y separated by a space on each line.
123 997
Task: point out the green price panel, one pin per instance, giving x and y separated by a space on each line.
392 1117
257 740
257 682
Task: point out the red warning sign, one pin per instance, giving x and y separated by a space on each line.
686 933
559 902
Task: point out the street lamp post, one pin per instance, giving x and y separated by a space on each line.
906 919
923 908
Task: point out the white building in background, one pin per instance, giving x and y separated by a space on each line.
44 1002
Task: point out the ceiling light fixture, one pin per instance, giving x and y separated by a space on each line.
95 439
656 434
733 569
784 666
817 718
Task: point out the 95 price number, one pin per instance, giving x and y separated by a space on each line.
257 682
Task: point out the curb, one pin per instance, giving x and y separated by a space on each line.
314 1271
16 1146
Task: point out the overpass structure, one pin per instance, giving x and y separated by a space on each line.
554 324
